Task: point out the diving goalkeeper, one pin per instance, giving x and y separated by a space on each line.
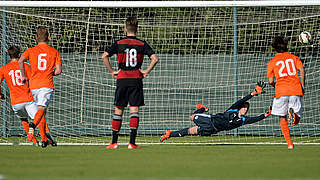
233 117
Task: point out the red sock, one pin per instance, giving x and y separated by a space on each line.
134 121
38 117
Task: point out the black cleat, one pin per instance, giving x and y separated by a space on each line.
44 144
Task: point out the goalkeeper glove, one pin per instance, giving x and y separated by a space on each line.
259 88
268 111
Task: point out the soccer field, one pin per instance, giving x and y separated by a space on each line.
161 162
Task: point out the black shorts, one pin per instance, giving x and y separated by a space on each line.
204 123
129 91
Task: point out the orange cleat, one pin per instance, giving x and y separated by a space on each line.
112 146
30 135
133 146
166 136
199 106
293 117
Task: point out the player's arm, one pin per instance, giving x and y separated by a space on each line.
250 120
302 77
58 70
271 82
258 90
154 60
106 61
21 61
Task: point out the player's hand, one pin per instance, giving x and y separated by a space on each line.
115 73
2 98
24 79
259 88
144 73
268 112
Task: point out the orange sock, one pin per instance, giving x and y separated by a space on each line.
25 126
47 128
42 129
285 131
38 117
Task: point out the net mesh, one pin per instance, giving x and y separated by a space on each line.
197 65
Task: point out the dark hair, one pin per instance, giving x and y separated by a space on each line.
132 24
280 43
245 103
42 34
14 52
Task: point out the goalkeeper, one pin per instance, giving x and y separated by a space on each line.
233 117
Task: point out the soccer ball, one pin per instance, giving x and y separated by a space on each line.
305 37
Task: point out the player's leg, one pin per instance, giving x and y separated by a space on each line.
295 109
280 108
133 124
136 99
42 98
285 131
180 133
52 141
120 102
21 112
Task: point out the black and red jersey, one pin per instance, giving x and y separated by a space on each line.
130 52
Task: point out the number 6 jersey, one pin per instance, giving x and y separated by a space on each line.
43 59
285 66
130 51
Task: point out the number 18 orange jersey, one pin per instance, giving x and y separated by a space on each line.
43 59
19 92
285 66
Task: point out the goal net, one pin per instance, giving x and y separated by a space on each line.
209 55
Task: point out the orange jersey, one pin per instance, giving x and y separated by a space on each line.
43 59
19 92
284 66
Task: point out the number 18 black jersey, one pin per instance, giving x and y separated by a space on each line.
130 52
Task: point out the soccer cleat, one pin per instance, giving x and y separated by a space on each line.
30 135
133 146
292 117
291 146
199 106
112 146
166 136
44 144
51 140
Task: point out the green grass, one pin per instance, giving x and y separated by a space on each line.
164 161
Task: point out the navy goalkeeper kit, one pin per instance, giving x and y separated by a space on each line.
212 123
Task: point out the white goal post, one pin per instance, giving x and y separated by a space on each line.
211 52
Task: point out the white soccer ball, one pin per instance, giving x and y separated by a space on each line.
305 37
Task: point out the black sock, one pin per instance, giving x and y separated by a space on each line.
180 133
133 135
115 135
32 125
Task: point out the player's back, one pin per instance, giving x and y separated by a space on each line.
130 52
19 92
42 59
285 66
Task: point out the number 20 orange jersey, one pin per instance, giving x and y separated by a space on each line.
42 59
19 92
285 66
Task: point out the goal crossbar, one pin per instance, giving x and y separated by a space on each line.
156 4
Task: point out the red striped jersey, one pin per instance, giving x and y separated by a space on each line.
130 52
